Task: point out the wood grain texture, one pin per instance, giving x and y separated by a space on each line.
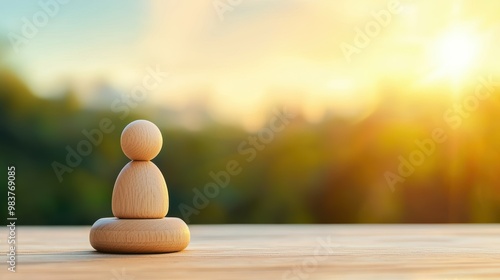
114 235
141 140
271 252
140 192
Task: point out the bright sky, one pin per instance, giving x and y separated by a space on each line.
255 52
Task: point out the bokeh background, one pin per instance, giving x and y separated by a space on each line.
360 84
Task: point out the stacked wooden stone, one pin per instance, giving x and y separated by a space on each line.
140 201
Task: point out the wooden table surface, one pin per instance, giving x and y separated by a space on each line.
270 252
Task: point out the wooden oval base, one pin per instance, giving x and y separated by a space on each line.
113 235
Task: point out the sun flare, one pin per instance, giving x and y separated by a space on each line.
455 53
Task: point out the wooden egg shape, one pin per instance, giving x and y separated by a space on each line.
140 192
141 140
112 235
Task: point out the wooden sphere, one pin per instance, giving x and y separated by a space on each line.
140 192
141 140
112 235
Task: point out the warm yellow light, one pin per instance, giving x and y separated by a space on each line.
456 53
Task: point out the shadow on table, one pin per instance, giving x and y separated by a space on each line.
89 256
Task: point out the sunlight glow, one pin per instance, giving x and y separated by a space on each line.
456 52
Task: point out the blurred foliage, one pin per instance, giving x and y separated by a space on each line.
328 172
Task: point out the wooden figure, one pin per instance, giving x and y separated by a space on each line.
141 140
140 201
140 192
115 235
